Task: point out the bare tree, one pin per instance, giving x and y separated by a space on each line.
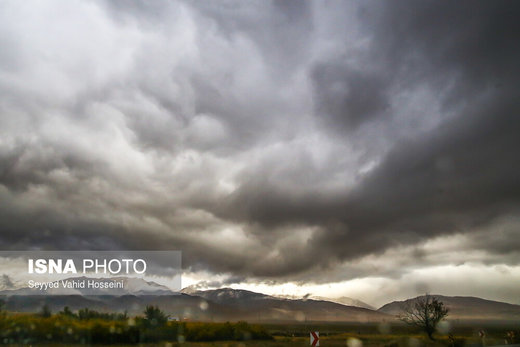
425 313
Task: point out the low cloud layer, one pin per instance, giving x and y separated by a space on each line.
266 140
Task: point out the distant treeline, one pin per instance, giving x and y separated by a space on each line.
92 327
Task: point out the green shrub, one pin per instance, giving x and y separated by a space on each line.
91 327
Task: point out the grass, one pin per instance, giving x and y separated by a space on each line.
200 334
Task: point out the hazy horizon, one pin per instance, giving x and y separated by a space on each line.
340 148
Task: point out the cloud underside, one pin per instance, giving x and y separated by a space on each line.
263 139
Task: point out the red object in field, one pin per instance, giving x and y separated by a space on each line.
481 333
315 339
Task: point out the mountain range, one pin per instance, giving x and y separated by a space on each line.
130 286
228 304
465 308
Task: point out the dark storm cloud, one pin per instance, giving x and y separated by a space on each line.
260 138
439 184
472 41
461 175
346 97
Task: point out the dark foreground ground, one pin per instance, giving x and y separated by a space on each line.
396 334
360 335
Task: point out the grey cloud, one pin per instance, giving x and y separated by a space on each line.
457 177
425 187
279 29
209 134
468 44
346 98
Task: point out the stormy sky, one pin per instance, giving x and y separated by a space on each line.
358 148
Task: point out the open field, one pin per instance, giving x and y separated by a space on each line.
333 341
396 334
355 335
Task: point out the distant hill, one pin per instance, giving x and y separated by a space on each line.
228 304
260 307
229 295
226 294
465 308
345 300
133 286
214 305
